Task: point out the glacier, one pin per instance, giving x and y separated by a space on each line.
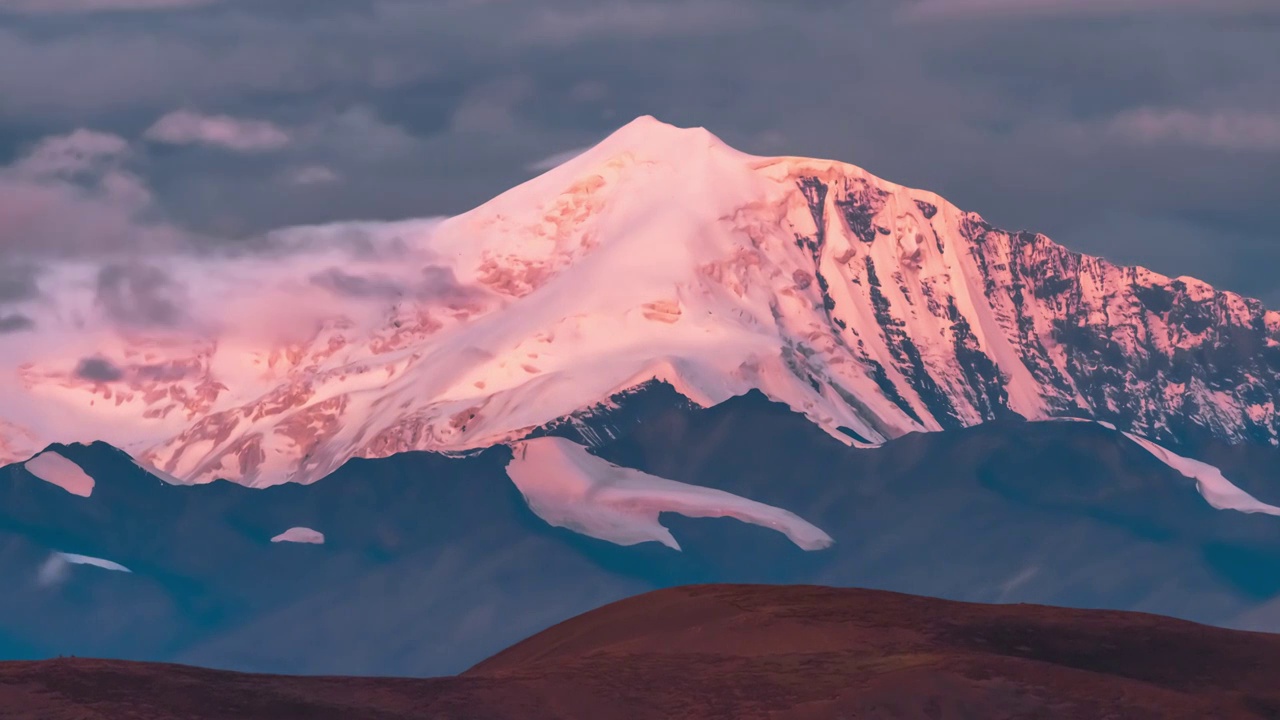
569 487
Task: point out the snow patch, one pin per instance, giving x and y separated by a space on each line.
54 570
300 535
1103 423
568 487
57 470
96 562
1217 490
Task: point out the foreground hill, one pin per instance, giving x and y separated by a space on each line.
739 651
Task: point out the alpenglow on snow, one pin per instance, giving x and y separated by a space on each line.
872 309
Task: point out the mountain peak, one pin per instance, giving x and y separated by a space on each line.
647 130
649 140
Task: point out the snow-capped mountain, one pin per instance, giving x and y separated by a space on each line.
873 309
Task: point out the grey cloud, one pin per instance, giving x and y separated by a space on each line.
440 283
66 7
565 23
435 283
72 155
75 194
139 296
1006 9
313 175
162 373
347 284
1231 130
15 322
17 283
489 108
98 369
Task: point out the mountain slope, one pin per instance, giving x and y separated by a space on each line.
873 309
739 652
430 563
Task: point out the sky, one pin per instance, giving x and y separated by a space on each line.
1146 131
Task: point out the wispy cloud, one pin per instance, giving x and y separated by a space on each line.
76 193
1223 129
184 127
313 175
79 152
139 296
951 9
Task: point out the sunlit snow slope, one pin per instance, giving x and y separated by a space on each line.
663 253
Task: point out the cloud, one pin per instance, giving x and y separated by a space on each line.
1223 129
564 24
57 7
347 284
183 127
313 175
75 154
75 194
98 369
17 283
434 283
951 9
15 322
490 108
141 296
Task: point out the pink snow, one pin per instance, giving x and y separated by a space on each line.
58 470
300 535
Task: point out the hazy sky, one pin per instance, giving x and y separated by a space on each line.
1144 130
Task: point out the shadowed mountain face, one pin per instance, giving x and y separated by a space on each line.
740 652
431 563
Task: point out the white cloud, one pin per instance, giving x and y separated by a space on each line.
184 127
1223 129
